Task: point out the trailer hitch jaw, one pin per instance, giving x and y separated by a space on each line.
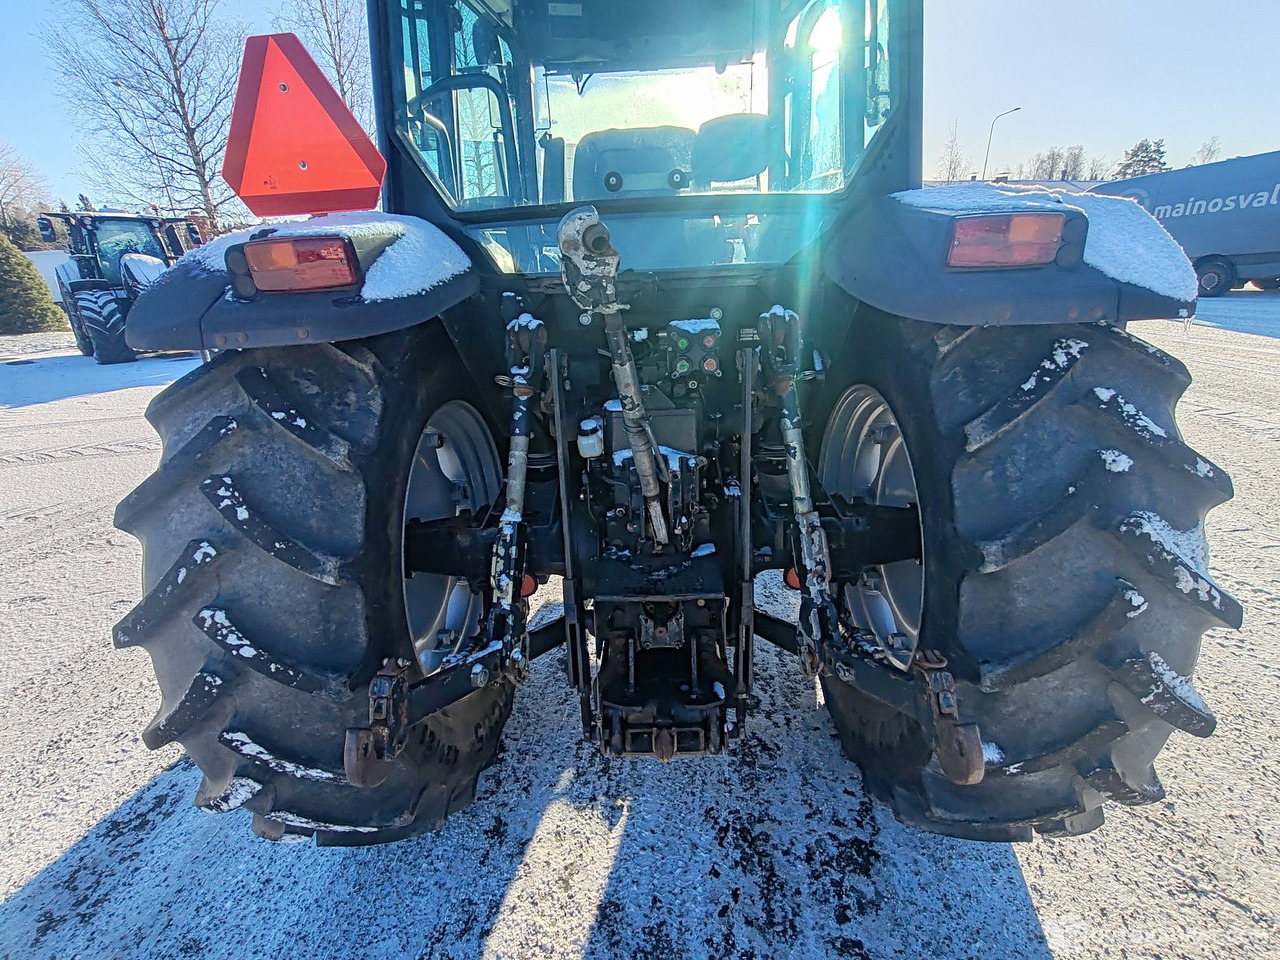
367 753
958 745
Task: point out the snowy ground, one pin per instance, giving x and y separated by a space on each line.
772 851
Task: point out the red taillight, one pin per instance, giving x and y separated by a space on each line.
1006 240
301 263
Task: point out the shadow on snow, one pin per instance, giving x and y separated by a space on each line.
772 850
769 851
25 381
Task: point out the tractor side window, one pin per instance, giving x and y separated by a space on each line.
426 131
481 143
876 64
824 153
456 113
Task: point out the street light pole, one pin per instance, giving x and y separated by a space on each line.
992 134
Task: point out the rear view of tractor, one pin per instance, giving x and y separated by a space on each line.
113 257
659 307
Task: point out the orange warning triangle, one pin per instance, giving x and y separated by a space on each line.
294 147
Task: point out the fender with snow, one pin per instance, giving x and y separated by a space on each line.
1116 262
409 272
139 271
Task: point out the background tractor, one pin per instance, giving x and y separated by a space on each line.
658 307
113 257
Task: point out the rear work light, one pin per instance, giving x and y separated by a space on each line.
1006 240
301 263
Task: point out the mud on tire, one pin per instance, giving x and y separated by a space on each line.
1064 570
272 560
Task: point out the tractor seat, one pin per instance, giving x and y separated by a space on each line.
639 162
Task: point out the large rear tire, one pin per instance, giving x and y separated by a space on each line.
103 323
83 343
272 538
1063 571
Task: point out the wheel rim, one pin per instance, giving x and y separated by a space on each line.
455 467
864 455
1213 278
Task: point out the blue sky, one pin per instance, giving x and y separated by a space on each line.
1101 73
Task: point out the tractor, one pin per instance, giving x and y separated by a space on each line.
655 306
113 257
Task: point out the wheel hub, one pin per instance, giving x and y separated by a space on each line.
865 455
455 468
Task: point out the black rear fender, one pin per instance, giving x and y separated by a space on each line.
893 256
201 303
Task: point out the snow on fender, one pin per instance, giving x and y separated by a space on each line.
419 259
1125 242
411 270
1113 263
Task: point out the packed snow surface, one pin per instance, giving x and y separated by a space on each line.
1125 242
421 257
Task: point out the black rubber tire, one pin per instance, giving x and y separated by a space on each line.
83 343
1215 276
272 538
1267 283
103 324
1072 630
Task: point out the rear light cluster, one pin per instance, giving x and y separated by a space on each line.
1006 240
301 263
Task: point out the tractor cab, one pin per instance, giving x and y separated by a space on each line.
711 132
98 240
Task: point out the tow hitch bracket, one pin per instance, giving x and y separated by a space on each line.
959 745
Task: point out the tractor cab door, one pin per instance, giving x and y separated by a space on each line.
457 105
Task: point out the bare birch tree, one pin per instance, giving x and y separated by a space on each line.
152 82
1210 151
953 163
336 34
1099 168
22 188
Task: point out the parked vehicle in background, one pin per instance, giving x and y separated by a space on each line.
113 257
1226 216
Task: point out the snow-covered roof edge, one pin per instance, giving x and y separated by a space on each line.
419 259
1125 242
